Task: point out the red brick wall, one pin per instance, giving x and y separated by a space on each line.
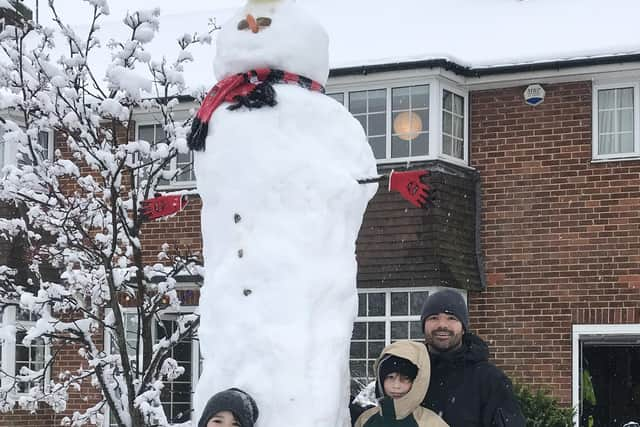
560 234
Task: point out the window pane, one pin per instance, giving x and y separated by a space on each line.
358 102
447 123
362 306
378 146
420 145
375 348
358 369
447 100
399 303
376 304
417 301
458 127
420 97
146 133
337 96
376 330
606 98
458 105
377 100
359 331
362 119
358 350
624 98
399 331
447 146
625 121
377 124
606 121
400 98
626 142
415 330
424 118
399 147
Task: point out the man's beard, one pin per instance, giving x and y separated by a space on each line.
453 343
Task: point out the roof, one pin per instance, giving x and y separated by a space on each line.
483 36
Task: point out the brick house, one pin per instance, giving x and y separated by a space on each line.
536 220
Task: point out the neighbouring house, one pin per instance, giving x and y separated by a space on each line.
527 114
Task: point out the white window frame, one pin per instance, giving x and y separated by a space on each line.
10 151
465 148
388 318
195 353
437 85
595 119
174 184
591 331
8 362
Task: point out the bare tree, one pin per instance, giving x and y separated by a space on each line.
78 214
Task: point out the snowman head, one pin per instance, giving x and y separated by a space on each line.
273 34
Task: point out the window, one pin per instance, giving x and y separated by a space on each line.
9 154
16 356
452 124
369 108
414 120
177 395
615 126
384 316
606 374
155 133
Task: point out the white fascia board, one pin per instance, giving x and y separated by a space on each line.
390 78
589 73
600 73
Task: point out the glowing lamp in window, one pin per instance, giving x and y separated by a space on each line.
407 125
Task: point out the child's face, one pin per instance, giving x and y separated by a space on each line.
223 419
396 385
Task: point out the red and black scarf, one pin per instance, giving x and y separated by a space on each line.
253 89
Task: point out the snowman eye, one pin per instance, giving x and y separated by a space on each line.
263 21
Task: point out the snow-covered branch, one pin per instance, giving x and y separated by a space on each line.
76 234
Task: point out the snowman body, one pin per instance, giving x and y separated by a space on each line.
281 212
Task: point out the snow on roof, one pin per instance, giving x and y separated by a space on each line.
473 33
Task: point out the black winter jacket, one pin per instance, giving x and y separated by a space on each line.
466 390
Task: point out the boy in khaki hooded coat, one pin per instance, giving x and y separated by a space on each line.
402 380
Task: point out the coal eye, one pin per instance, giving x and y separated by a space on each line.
243 25
263 21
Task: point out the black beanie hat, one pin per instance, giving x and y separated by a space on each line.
234 400
390 364
446 301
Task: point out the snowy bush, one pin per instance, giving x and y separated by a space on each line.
77 215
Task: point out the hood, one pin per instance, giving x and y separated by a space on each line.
418 355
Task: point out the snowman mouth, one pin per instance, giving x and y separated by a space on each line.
254 24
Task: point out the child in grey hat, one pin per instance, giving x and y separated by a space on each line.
229 408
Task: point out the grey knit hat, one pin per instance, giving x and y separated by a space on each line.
234 400
446 301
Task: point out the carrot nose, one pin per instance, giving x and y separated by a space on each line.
253 25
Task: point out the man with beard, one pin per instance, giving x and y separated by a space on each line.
466 390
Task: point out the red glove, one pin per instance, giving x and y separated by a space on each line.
409 185
162 206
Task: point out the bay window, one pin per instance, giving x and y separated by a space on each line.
410 120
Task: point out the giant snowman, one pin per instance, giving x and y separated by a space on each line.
281 211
